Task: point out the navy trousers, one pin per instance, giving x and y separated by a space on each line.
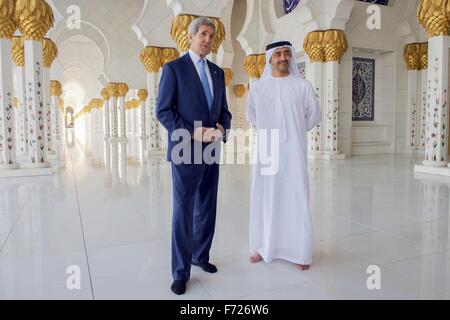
194 215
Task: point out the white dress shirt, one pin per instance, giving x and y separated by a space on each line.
196 60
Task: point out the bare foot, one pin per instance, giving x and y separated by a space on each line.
303 267
256 258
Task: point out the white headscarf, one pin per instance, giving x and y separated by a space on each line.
267 76
293 68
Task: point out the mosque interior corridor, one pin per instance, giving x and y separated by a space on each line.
108 211
86 191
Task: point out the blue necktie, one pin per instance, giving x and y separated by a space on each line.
205 83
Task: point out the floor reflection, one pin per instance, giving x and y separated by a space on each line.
109 210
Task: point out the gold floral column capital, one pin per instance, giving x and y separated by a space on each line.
239 90
55 88
180 32
219 37
152 58
434 16
169 55
18 51
325 46
132 104
113 89
228 76
254 65
123 89
34 18
142 95
411 56
105 94
96 104
261 63
313 46
49 52
423 55
334 45
416 56
7 24
99 103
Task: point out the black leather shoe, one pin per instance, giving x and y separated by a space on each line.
207 267
178 287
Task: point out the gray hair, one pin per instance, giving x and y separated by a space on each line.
202 21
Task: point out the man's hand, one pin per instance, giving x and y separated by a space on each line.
212 135
199 133
219 126
208 135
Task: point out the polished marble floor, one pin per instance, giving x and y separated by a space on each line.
108 213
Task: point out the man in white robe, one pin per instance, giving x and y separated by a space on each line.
285 106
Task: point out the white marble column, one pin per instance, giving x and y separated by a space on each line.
47 110
95 120
115 171
411 120
106 114
107 156
123 90
114 118
437 114
55 92
62 120
123 166
7 123
101 115
91 117
88 121
56 119
113 90
135 121
132 122
50 52
122 118
416 60
331 98
156 132
423 74
253 130
143 95
128 118
98 117
22 111
19 71
314 72
325 48
237 144
36 113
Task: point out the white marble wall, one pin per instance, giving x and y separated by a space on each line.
387 133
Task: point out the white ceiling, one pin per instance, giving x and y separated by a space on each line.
113 32
105 45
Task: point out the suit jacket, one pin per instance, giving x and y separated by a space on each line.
182 101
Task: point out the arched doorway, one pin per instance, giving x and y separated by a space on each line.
69 120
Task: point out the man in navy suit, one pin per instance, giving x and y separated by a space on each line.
192 90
